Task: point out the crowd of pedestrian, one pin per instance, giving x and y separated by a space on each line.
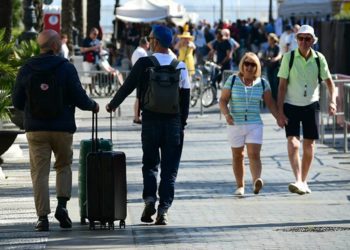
291 93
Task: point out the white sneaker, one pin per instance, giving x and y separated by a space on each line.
297 188
239 191
307 189
258 184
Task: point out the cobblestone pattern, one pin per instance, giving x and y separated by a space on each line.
205 213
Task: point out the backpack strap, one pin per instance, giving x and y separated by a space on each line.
174 63
154 61
233 81
317 59
291 60
263 84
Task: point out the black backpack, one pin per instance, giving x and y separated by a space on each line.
162 92
45 94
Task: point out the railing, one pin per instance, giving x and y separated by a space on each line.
346 115
324 101
101 83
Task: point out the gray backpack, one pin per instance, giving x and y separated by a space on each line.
162 92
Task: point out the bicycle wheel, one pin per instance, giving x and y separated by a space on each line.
195 94
104 85
208 97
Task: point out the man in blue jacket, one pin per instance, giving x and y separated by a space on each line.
50 132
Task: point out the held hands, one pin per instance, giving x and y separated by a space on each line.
282 120
109 109
97 108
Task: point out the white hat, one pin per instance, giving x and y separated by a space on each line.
307 29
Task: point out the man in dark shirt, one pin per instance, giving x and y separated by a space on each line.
91 49
51 135
223 49
160 131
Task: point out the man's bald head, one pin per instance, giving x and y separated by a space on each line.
49 40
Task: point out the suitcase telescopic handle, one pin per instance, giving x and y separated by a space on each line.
110 125
94 138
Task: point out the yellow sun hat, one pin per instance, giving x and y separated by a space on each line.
186 34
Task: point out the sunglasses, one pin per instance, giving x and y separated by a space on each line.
304 38
247 64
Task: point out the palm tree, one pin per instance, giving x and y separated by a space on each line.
6 18
67 20
78 19
93 14
12 56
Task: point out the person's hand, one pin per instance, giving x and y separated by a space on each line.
282 120
229 119
332 109
97 108
109 109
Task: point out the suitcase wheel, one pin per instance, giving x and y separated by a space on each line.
83 221
111 225
103 225
121 224
92 225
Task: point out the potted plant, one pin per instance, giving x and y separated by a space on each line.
12 56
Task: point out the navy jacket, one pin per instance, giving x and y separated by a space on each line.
74 94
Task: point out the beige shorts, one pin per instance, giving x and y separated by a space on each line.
239 135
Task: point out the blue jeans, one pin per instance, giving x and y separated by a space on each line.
161 144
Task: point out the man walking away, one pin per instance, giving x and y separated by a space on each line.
300 75
48 90
165 105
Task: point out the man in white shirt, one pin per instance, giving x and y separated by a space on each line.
162 131
285 39
140 51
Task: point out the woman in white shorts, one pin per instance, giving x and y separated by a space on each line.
243 93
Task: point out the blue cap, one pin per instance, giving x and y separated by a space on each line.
163 34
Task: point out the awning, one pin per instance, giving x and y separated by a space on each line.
305 8
174 9
141 11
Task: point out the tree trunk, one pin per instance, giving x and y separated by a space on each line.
78 20
93 15
67 20
6 18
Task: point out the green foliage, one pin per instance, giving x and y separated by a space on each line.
12 57
343 15
17 11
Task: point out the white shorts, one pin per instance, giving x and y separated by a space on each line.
239 135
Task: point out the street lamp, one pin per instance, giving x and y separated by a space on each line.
270 12
29 20
222 10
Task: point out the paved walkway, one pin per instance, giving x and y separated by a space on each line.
205 213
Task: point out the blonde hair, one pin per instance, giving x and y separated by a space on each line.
274 37
256 60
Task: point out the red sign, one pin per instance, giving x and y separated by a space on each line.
52 21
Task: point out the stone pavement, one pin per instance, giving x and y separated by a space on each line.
205 213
